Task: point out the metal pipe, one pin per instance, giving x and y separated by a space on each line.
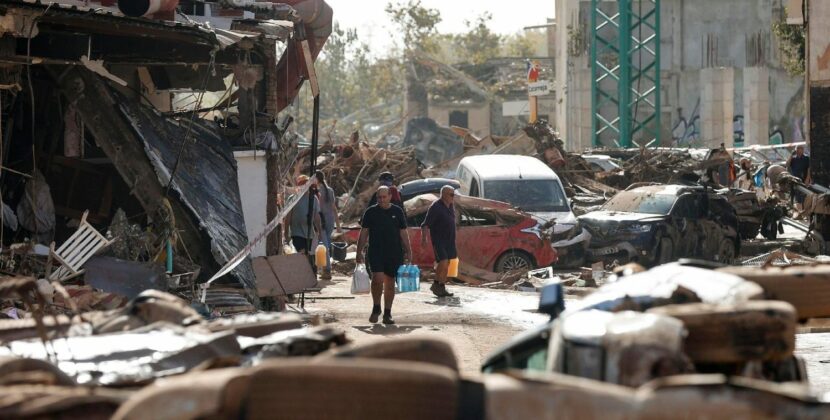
315 124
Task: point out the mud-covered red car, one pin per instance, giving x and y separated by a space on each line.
660 223
490 235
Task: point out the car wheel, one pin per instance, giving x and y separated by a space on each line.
726 253
666 251
749 230
513 260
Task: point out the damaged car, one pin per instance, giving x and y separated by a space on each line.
655 224
530 186
490 235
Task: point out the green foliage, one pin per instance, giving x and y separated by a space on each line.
479 43
791 43
351 82
522 44
417 24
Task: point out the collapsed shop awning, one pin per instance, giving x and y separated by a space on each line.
144 147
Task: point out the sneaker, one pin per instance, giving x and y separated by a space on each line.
326 275
387 319
438 289
374 317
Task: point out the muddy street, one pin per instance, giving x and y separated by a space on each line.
475 321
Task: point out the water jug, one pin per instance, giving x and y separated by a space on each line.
408 279
453 269
320 256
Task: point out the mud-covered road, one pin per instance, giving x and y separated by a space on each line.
476 321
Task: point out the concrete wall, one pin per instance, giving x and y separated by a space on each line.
573 73
695 34
478 117
717 106
756 105
253 192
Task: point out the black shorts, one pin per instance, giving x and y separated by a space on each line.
444 251
301 244
385 264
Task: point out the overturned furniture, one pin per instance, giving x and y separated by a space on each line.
76 251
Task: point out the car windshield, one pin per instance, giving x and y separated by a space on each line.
530 195
640 202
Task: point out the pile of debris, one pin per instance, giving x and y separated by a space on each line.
352 170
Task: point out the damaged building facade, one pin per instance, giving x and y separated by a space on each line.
132 117
489 98
721 74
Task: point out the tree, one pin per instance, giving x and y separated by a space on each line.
356 88
792 46
520 44
417 24
335 70
479 43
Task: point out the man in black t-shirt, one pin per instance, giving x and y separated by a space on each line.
384 227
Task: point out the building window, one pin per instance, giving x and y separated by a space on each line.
459 119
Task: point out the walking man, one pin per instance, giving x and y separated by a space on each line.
383 225
328 202
440 220
799 164
386 179
297 218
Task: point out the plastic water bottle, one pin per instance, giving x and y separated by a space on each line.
408 279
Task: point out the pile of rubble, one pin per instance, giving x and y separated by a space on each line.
352 170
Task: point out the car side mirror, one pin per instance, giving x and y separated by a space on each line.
551 299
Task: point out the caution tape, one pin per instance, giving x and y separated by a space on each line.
241 255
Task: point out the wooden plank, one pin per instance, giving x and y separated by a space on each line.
753 330
805 287
280 275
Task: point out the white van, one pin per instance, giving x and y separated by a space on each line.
531 186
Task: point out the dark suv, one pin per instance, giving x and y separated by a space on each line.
655 224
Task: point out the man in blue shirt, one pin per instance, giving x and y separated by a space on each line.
440 220
799 164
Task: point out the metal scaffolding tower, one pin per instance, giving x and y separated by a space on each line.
625 71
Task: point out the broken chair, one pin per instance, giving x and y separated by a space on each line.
74 253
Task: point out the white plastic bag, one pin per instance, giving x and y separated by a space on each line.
361 283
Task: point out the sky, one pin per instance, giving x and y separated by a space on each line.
373 25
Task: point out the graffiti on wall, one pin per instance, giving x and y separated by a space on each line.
686 129
798 129
738 130
776 136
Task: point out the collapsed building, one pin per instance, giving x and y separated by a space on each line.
108 110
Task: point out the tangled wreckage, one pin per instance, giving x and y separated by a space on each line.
121 129
109 110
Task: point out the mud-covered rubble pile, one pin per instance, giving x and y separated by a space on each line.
352 170
156 335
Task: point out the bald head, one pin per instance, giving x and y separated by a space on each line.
447 194
384 196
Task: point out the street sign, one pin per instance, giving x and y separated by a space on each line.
538 88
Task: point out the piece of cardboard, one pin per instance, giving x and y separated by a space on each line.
280 275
